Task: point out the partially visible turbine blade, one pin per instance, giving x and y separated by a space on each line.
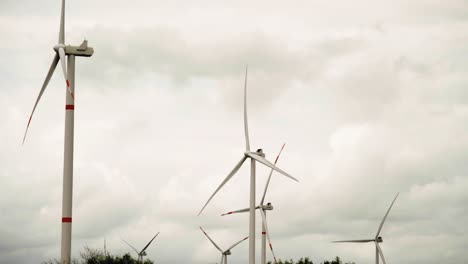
220 250
131 247
61 53
268 164
354 241
237 243
269 176
44 85
265 224
147 245
385 217
236 168
246 125
380 252
62 24
237 211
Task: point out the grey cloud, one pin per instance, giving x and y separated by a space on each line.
366 112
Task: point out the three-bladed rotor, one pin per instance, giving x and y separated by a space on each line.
377 239
258 155
224 253
61 51
141 253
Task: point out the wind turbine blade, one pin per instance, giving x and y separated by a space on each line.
220 250
269 164
62 24
237 243
138 253
44 86
147 245
380 252
246 125
236 168
385 217
354 241
269 176
237 211
61 53
265 224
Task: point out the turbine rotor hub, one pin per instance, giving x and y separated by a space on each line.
379 239
226 253
58 46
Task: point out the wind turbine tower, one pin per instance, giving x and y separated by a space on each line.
254 156
62 52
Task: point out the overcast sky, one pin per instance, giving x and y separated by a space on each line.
370 97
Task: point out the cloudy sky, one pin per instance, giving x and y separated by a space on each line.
370 97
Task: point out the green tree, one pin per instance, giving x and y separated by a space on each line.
306 260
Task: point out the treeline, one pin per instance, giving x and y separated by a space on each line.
96 256
307 260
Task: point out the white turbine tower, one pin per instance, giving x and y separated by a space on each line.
142 252
224 253
377 239
263 208
61 51
253 156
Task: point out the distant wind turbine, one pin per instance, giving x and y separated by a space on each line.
61 50
263 208
142 252
377 239
253 156
224 253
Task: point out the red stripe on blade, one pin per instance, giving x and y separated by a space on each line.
66 219
70 107
68 83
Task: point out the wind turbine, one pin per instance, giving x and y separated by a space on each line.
61 51
224 253
253 156
263 208
377 239
142 252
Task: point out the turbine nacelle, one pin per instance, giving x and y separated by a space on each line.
268 206
227 253
80 51
379 239
259 152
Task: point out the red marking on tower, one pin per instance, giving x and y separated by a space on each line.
66 219
263 233
70 107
